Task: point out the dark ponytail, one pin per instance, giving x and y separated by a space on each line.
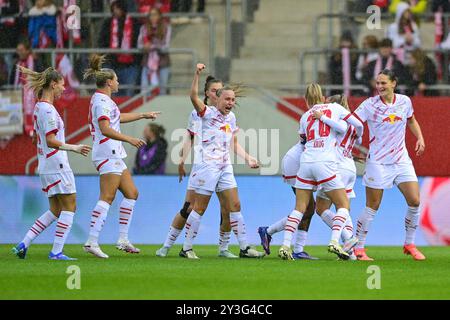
209 81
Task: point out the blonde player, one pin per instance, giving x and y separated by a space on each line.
346 138
55 173
388 162
215 172
289 166
104 121
318 167
194 126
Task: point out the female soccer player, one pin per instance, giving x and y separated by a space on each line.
318 168
211 86
290 165
388 162
214 171
346 138
104 121
55 173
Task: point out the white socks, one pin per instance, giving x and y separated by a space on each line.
39 225
171 237
291 226
192 226
63 227
364 221
99 215
339 221
300 240
411 221
126 213
277 226
224 240
238 226
327 217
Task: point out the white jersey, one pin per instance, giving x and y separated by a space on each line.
194 128
320 137
103 107
387 128
345 143
215 135
48 121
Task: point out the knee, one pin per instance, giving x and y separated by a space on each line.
186 210
200 209
133 195
414 202
373 204
108 198
235 206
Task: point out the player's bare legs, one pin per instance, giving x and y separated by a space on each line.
130 193
410 191
373 201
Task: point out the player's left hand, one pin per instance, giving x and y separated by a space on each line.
253 163
420 147
151 115
317 114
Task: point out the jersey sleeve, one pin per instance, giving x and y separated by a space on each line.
339 125
49 121
206 113
361 113
191 125
102 112
410 111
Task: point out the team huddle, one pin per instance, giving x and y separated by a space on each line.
321 161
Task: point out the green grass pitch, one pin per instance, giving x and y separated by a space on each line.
145 276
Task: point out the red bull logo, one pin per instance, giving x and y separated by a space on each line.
226 128
392 118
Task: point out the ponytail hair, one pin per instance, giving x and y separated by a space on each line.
340 99
313 94
209 81
39 81
96 71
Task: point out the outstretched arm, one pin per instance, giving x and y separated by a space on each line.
196 101
351 119
417 132
130 117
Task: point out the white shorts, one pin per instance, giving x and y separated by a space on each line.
208 179
384 176
114 166
325 175
290 165
193 170
348 178
58 183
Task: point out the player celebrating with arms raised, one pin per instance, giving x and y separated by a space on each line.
388 162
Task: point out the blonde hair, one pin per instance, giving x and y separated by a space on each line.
341 99
96 71
237 88
313 94
39 81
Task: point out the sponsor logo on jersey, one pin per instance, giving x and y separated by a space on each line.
392 118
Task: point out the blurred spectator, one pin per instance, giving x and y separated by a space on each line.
342 65
369 42
417 6
404 32
423 72
151 158
120 32
154 39
11 28
42 24
145 6
385 60
24 58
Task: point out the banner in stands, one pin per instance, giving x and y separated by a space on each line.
264 200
